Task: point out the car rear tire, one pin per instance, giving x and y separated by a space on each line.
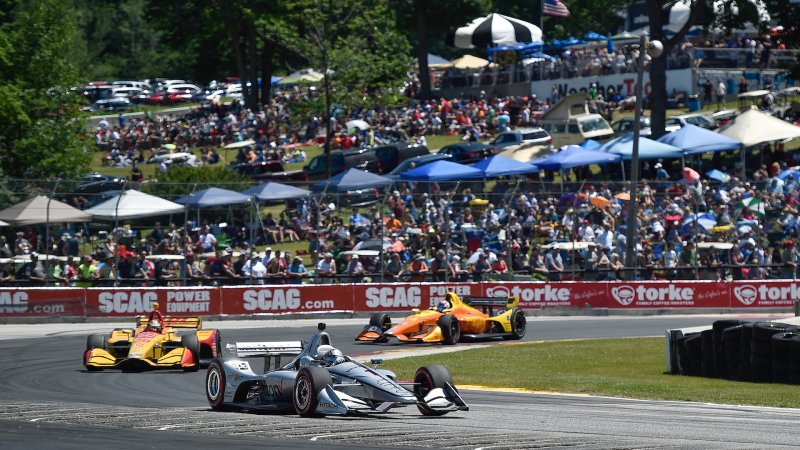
216 384
307 385
192 344
380 320
427 379
451 330
518 325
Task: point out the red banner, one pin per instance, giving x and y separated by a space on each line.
406 296
33 302
127 302
764 294
675 294
286 299
551 295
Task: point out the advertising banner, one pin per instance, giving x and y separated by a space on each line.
551 295
33 302
406 296
284 299
764 294
675 294
127 302
624 83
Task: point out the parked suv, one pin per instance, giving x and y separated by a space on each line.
317 168
522 136
390 156
468 152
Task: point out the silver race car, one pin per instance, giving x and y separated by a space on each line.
319 381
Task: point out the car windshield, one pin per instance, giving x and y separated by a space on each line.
594 125
534 135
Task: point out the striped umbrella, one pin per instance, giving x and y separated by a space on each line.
494 29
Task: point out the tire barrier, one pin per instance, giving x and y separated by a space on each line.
744 351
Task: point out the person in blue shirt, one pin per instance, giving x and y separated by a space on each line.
355 218
297 271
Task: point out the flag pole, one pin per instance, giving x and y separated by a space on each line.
541 28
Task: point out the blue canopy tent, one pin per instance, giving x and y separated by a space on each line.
350 180
213 197
442 171
648 148
525 50
272 191
695 140
574 156
591 144
592 36
794 173
720 176
436 61
568 42
499 166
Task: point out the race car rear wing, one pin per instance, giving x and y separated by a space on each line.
257 349
272 352
491 303
174 322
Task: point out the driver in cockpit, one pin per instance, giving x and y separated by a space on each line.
329 355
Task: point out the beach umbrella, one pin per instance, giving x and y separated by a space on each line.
241 144
624 36
789 173
357 123
494 29
715 174
600 202
706 220
623 196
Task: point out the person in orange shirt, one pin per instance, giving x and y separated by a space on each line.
393 224
419 268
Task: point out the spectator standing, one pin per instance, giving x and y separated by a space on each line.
721 91
257 270
395 268
326 269
86 272
5 250
481 267
275 272
297 271
354 268
33 271
554 264
418 268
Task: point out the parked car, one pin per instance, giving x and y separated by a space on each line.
417 161
700 120
110 104
468 152
391 155
625 126
317 168
522 136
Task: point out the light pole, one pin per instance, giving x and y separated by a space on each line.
654 49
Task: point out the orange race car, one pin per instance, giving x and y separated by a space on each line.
450 321
154 344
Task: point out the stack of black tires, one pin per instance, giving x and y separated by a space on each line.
743 351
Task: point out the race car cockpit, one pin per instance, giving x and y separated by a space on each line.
328 355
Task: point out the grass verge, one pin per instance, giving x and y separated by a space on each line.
630 368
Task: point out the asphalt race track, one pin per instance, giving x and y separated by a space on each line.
49 401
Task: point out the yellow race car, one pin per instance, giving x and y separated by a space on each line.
154 344
450 321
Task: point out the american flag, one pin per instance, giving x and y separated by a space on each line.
554 8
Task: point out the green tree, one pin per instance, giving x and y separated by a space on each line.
40 126
180 181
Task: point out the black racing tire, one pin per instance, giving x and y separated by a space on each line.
307 385
745 371
719 349
96 341
216 383
763 331
707 367
518 324
426 379
451 330
694 355
380 320
192 344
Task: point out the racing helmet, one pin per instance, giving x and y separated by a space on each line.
154 324
443 304
323 350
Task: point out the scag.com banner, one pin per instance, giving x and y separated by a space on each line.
33 302
286 299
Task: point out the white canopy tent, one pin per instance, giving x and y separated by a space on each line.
754 127
134 204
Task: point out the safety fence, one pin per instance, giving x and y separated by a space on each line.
399 297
